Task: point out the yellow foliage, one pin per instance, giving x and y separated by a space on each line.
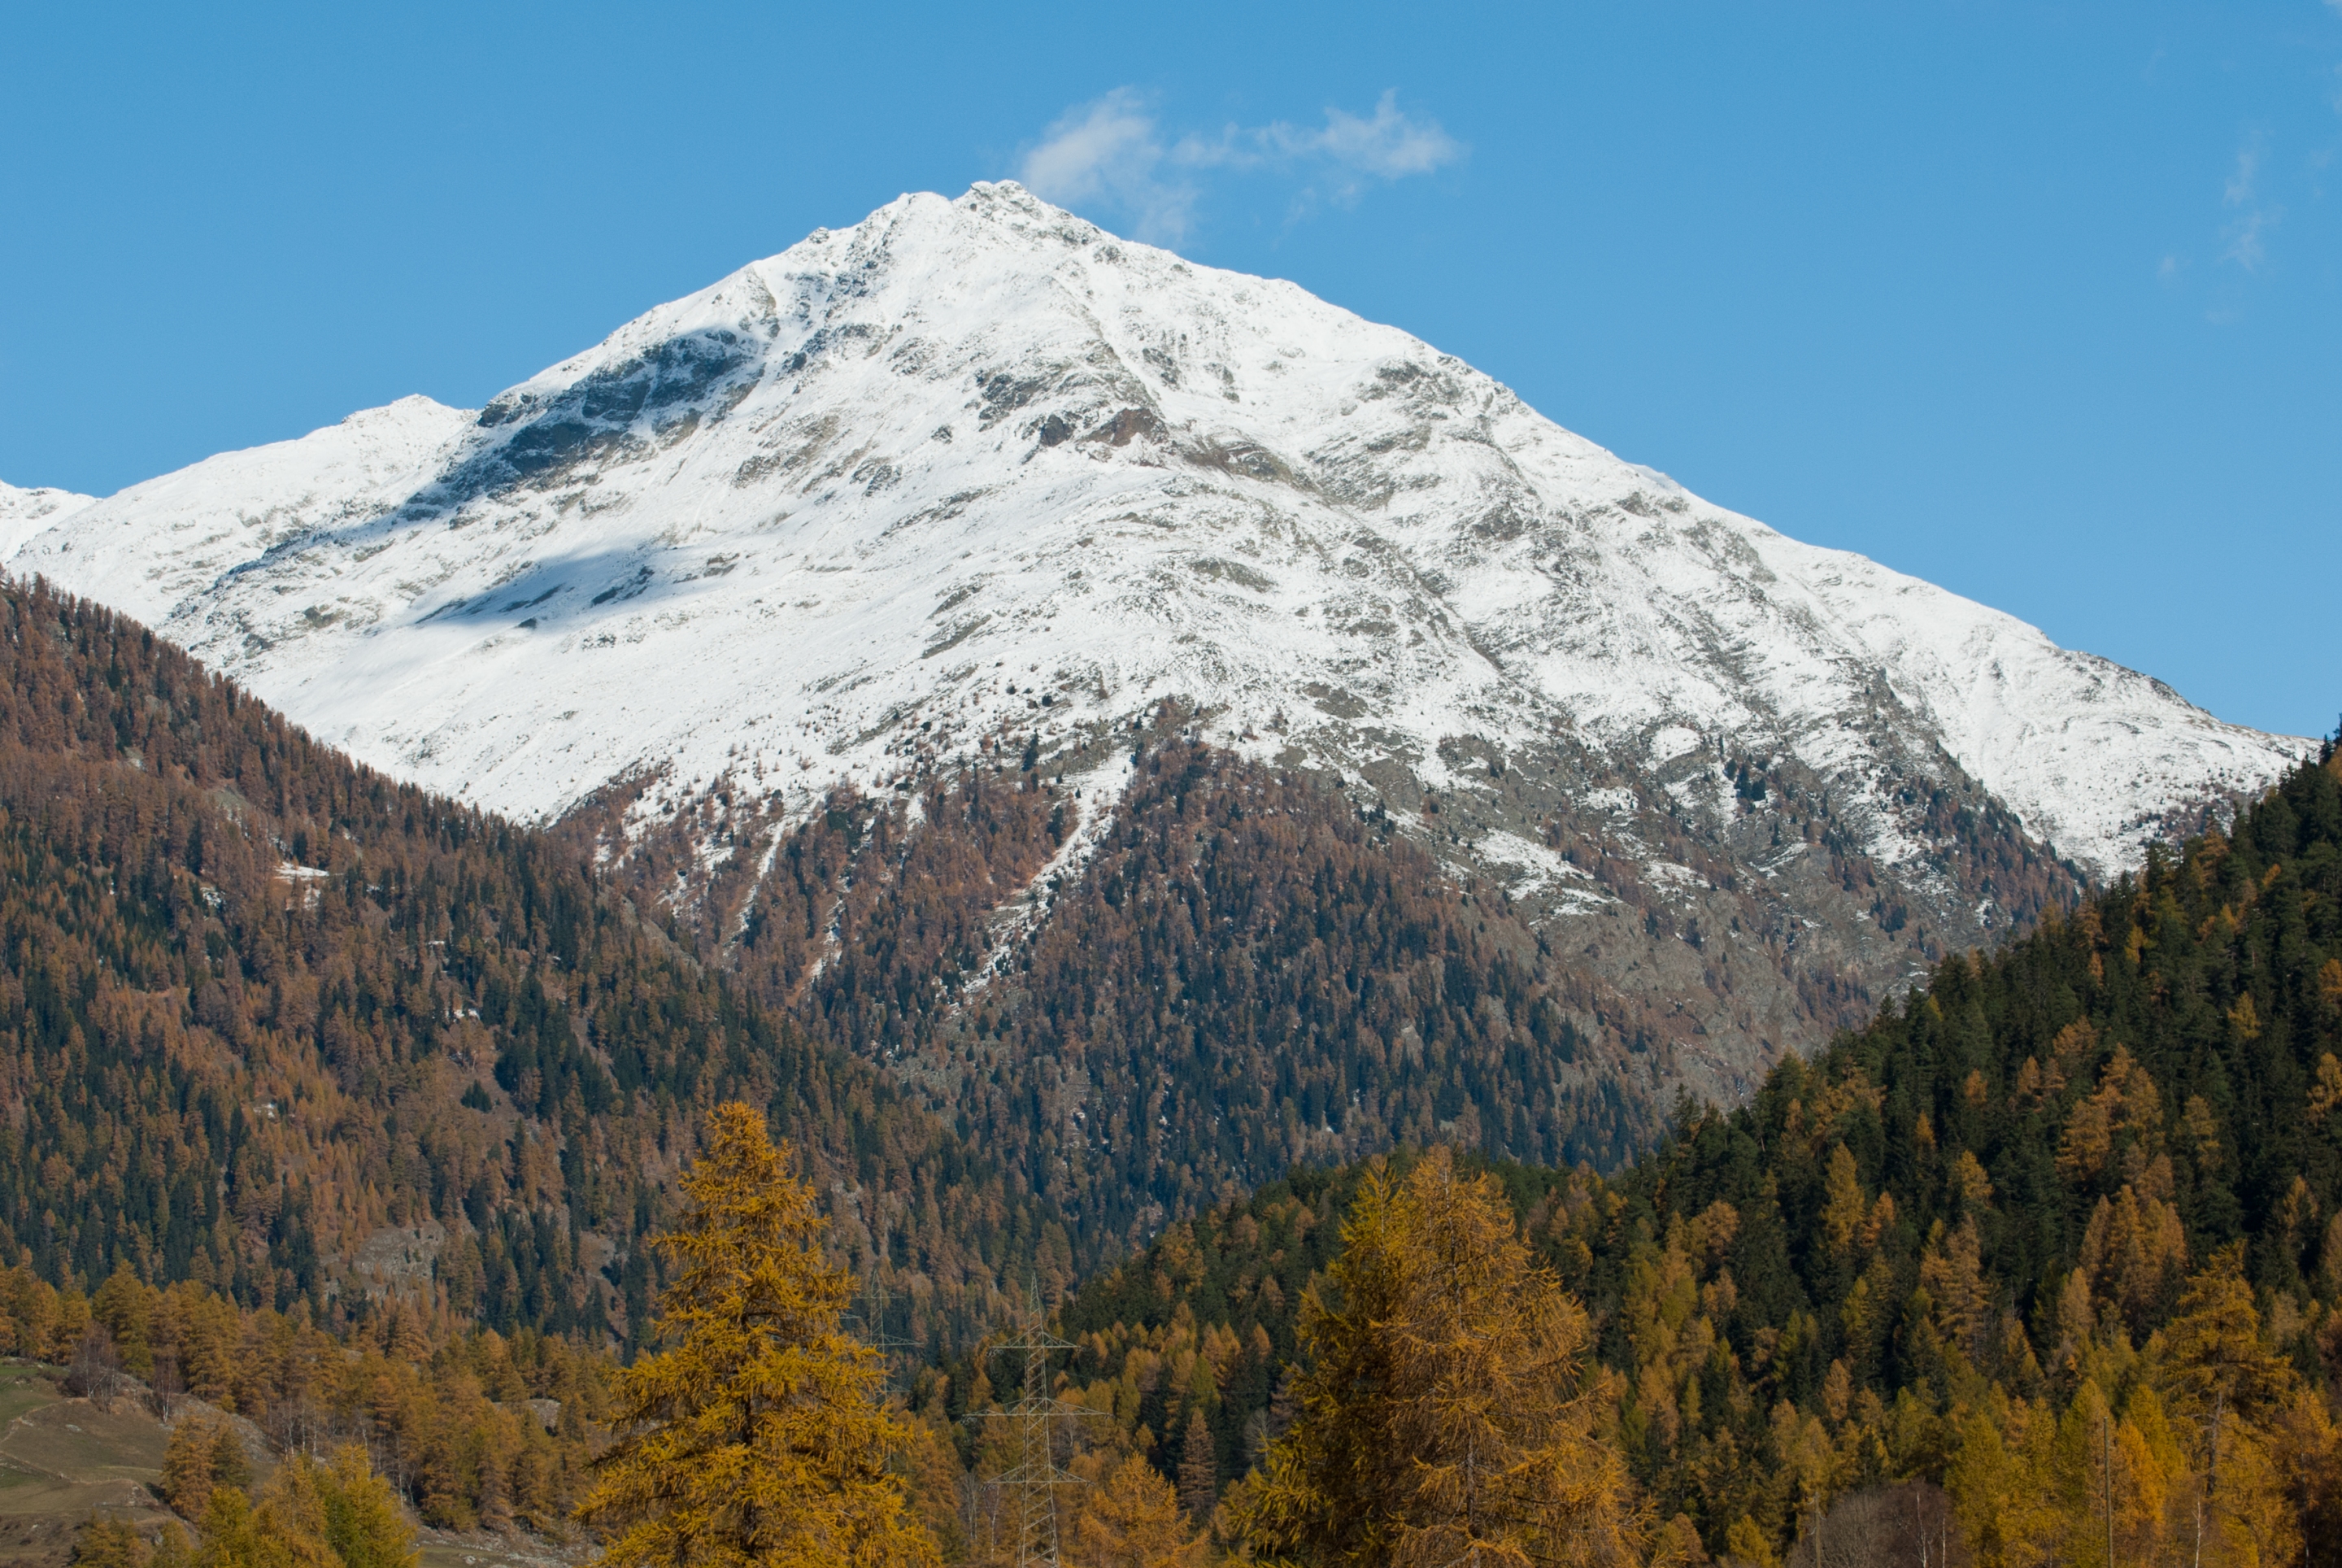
1676 1545
1952 1271
1747 1541
1132 1520
1969 1181
2134 1252
2125 1102
1844 1206
345 1503
1818 1121
2245 1019
1443 1412
1999 1482
1808 1457
2078 1321
276 1535
2210 1353
2305 1447
758 1437
2325 1092
2250 1517
1881 1220
2203 1129
187 1475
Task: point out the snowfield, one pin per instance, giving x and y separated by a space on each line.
974 473
24 512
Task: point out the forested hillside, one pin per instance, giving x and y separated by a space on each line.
277 1025
1240 971
274 1024
2074 1205
283 1027
2000 1192
297 1059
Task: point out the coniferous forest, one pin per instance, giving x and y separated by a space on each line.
355 1114
2063 1225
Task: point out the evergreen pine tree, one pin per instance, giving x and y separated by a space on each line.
758 1437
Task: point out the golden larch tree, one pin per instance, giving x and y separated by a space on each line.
1444 1415
758 1435
1132 1519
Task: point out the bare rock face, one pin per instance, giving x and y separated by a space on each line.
973 484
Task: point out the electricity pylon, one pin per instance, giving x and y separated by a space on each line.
1035 1419
874 1322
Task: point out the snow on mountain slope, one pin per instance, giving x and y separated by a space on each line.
988 425
189 533
974 476
24 512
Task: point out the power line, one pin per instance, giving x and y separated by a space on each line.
1035 1419
873 1319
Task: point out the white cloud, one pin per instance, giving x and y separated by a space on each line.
2240 179
2246 245
1387 146
2245 240
1111 150
1390 143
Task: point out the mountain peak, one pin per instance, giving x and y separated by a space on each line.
975 478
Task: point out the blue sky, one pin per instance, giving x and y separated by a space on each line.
2041 302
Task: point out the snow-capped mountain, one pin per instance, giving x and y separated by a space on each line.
975 476
24 512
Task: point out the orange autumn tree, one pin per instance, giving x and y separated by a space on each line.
1131 1519
1444 1417
758 1437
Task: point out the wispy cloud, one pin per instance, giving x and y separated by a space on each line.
1109 150
1113 150
2245 240
2241 178
1349 150
2337 99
